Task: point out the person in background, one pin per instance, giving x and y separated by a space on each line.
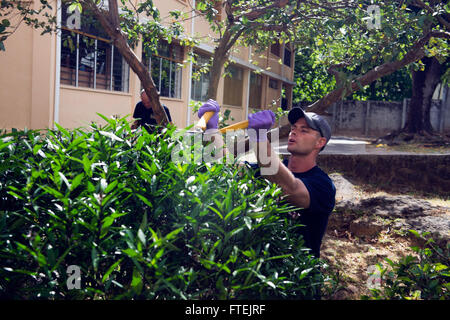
143 113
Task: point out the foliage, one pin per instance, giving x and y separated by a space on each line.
111 201
13 13
424 276
313 82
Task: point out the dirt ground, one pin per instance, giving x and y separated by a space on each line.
350 258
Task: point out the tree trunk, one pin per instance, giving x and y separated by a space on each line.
424 85
215 72
110 23
219 58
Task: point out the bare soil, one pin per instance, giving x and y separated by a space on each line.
349 256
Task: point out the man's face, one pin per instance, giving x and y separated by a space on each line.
145 100
303 140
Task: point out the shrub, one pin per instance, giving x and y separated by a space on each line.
423 276
111 202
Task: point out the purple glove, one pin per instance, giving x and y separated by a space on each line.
210 105
260 120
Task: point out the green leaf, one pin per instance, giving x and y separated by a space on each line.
108 221
216 212
141 236
111 135
136 282
131 253
111 186
76 181
95 258
111 269
248 222
103 185
64 131
53 192
87 165
63 177
144 199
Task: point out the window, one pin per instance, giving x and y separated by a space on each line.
233 86
287 56
166 69
275 49
88 59
254 100
286 96
273 83
200 85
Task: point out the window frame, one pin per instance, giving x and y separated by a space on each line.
177 78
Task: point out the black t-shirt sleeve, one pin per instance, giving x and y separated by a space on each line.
321 194
138 112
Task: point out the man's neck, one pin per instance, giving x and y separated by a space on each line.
302 163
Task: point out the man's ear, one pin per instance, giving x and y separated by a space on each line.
322 142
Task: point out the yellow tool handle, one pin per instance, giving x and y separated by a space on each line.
236 126
207 115
204 120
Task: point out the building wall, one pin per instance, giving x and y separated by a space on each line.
29 93
16 80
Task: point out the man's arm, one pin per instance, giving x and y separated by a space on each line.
294 188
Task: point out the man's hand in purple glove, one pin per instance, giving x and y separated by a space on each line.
260 120
210 105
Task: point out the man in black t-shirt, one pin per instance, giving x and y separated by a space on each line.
305 184
143 112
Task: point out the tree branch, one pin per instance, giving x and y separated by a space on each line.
258 12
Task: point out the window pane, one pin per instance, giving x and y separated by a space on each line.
68 57
120 73
233 86
199 88
287 57
175 89
103 65
86 62
165 77
255 90
273 84
275 49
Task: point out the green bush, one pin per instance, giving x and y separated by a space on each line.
422 276
138 225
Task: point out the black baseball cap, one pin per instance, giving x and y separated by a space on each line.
313 120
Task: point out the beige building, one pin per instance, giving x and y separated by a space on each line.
69 77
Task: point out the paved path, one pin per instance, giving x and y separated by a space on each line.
341 145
